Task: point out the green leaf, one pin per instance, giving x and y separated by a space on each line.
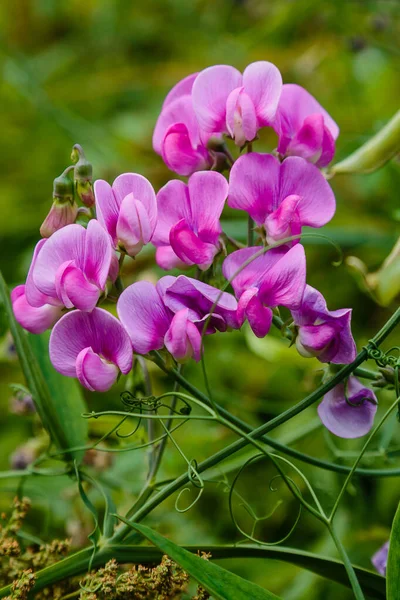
66 395
219 582
58 400
393 564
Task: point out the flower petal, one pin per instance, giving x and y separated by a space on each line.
307 142
183 339
209 94
254 185
98 251
167 259
133 226
142 190
258 316
262 81
94 373
181 112
341 418
284 283
241 118
33 295
189 248
144 316
33 319
207 195
74 290
182 88
107 207
173 205
179 154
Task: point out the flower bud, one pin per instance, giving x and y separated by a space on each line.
64 209
83 176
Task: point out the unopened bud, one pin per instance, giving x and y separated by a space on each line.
83 176
62 213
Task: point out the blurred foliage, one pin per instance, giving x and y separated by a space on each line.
96 73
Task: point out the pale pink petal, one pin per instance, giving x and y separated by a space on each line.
74 290
98 251
284 283
106 207
258 316
144 316
33 295
173 205
179 154
189 247
142 190
299 177
93 372
183 340
284 221
241 117
133 227
167 259
307 142
254 185
208 192
209 94
262 81
33 319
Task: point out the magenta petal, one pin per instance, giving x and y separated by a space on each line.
167 259
313 339
341 418
299 177
33 295
284 283
328 149
244 277
284 221
107 207
262 81
178 153
209 94
189 248
344 350
207 195
182 88
33 319
173 205
183 339
254 185
181 112
93 372
144 316
98 251
74 290
258 316
307 142
98 330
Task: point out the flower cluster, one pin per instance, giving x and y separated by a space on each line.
72 268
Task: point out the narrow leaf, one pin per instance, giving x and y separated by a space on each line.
58 412
222 584
393 564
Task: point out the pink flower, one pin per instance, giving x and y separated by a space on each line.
33 319
225 101
93 347
348 410
323 333
71 268
278 277
177 136
281 197
304 128
127 210
173 314
188 226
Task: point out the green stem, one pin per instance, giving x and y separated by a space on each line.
358 593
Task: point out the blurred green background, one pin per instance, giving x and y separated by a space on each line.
96 73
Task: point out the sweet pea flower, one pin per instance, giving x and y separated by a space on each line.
177 136
71 268
127 210
225 101
348 410
94 347
173 313
281 197
188 226
323 333
380 558
277 277
33 319
305 128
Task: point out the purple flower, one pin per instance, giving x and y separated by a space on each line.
33 319
71 268
188 226
348 410
304 128
281 197
323 333
380 558
177 136
225 101
127 210
278 277
93 347
173 314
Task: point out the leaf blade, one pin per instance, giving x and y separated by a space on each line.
393 564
